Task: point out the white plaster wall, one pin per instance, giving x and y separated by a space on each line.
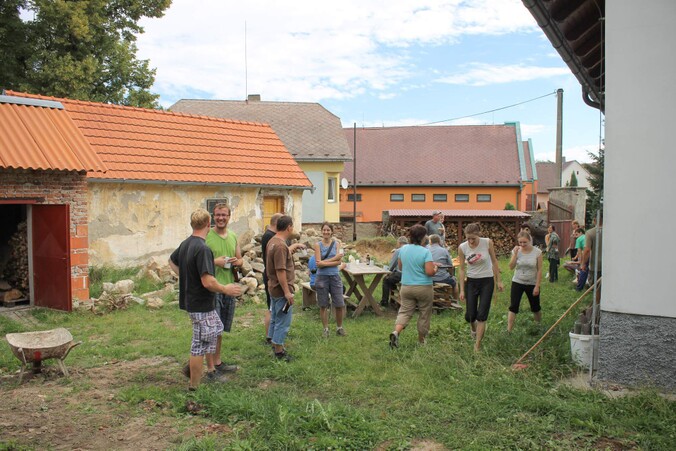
640 172
580 172
130 223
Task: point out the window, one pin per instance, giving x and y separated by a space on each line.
483 197
211 203
396 197
462 197
350 197
331 189
417 198
439 197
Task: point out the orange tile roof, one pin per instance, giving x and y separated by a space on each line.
153 145
36 135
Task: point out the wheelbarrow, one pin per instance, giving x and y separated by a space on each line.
34 347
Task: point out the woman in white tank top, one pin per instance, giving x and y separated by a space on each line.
479 263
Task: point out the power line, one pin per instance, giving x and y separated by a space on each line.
489 111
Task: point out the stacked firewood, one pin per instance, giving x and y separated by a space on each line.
16 269
503 241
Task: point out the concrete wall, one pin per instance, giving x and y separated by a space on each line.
314 202
317 206
129 223
640 159
375 200
577 197
639 187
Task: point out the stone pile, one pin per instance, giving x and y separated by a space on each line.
119 295
252 267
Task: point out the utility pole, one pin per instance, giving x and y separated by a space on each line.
354 184
559 136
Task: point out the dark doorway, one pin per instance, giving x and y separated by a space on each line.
51 256
14 271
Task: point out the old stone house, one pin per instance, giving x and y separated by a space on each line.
160 166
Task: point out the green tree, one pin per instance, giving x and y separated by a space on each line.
595 190
573 180
80 49
509 206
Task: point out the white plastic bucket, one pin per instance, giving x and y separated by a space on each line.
581 349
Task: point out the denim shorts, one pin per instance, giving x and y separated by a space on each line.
206 327
329 284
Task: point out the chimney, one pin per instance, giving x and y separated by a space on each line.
253 98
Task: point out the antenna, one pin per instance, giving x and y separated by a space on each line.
246 68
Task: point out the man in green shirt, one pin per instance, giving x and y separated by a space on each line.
227 256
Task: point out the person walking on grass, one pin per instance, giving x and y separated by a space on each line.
193 261
269 233
281 275
417 269
552 240
328 282
526 262
477 260
227 256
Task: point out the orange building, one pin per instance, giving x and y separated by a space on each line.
477 167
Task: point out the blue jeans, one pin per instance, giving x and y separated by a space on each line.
280 322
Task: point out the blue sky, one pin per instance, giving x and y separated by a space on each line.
376 63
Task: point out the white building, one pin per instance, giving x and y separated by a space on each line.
621 52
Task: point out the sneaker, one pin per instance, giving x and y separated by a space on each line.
394 340
223 368
215 377
284 356
325 334
268 341
340 331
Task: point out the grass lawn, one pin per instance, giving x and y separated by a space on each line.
355 393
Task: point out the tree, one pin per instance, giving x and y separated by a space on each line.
573 179
509 206
595 190
80 49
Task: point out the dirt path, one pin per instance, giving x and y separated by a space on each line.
86 412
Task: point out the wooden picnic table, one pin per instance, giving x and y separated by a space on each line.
355 273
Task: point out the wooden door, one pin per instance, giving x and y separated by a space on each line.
51 256
271 205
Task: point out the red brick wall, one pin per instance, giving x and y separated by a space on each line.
57 187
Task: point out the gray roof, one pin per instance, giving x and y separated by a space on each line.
308 130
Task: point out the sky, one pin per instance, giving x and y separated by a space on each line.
375 63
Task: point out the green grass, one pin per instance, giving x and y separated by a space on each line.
355 393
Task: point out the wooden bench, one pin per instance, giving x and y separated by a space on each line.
310 298
309 295
443 297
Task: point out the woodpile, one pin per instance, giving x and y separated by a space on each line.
503 240
14 276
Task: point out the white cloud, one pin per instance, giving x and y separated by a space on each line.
307 50
481 74
529 130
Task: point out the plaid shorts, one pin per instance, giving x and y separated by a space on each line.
206 327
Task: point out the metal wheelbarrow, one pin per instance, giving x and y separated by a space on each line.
34 347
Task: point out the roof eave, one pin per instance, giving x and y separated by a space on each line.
175 182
